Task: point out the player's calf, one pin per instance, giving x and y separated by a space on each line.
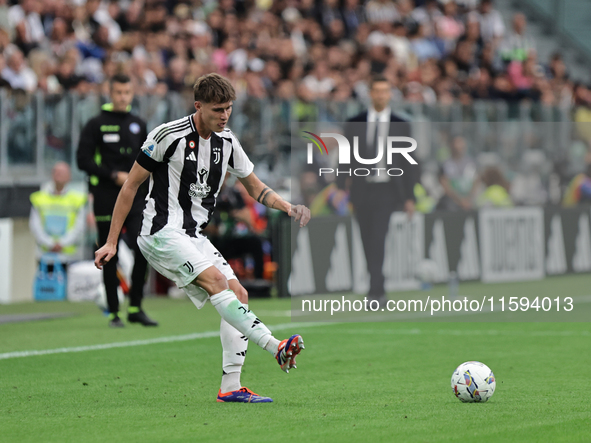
244 320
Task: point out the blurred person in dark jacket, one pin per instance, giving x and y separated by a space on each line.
375 197
108 147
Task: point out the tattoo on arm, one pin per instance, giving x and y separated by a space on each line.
264 201
263 197
262 193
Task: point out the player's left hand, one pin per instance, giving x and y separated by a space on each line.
104 254
301 213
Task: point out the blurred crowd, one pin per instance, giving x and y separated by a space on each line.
432 51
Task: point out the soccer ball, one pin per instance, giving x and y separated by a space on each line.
426 272
473 382
101 298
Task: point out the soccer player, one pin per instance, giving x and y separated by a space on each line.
186 161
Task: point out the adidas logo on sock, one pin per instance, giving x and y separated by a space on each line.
192 157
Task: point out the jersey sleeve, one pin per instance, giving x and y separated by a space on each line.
239 164
151 153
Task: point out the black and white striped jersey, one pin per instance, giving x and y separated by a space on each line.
187 173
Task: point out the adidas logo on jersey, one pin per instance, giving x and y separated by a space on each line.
191 157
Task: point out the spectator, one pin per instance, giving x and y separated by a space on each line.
556 68
176 77
527 187
27 23
335 33
399 44
57 216
473 37
427 15
480 84
130 19
405 10
523 74
496 192
465 58
459 179
84 23
579 188
353 16
492 26
21 140
106 17
517 46
97 46
328 11
449 26
503 89
318 82
43 67
61 38
17 73
144 77
381 11
5 19
330 201
425 48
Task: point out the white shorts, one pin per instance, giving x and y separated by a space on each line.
181 259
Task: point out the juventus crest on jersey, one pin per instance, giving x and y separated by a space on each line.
187 173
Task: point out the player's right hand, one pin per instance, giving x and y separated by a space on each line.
300 213
104 254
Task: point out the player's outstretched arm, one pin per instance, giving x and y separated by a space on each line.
265 195
136 177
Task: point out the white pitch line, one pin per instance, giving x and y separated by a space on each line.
151 341
469 332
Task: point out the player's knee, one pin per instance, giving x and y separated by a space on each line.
212 281
218 283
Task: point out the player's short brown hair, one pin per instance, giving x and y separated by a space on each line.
213 88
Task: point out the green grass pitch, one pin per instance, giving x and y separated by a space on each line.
365 382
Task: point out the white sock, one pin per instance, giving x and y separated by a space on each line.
272 346
242 319
234 346
230 382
